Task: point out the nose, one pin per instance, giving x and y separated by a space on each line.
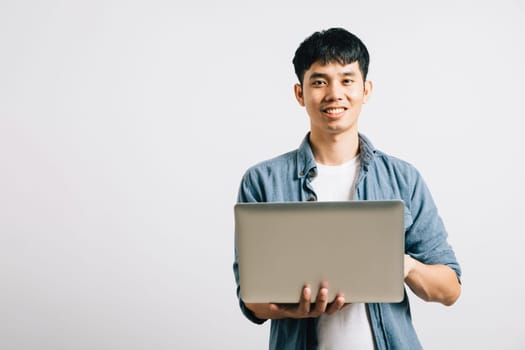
334 92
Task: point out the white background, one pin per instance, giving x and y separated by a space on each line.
125 127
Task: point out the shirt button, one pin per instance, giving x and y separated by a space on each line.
312 173
311 199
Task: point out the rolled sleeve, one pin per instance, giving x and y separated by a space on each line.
426 236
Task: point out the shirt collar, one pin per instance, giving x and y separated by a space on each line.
306 162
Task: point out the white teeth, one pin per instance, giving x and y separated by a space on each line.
334 110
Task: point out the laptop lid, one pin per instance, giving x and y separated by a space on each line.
355 246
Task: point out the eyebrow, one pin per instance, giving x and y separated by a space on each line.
316 75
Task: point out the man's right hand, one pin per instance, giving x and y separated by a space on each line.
303 309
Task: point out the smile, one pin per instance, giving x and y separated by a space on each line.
334 110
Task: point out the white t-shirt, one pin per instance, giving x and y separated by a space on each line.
348 328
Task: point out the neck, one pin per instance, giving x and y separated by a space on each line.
334 149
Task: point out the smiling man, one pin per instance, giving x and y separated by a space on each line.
333 163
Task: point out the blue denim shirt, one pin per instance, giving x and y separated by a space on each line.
287 178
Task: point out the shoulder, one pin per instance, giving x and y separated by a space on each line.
376 160
267 180
383 159
275 164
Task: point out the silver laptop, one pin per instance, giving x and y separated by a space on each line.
355 246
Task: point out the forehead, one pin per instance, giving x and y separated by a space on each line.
333 69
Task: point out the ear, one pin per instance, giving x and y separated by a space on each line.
368 90
298 90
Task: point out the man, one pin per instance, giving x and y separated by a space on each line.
336 162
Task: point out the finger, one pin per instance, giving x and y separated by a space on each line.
275 307
337 304
321 301
304 303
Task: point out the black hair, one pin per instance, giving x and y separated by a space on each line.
331 45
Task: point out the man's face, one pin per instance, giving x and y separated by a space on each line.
333 95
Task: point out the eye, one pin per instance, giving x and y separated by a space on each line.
316 83
348 81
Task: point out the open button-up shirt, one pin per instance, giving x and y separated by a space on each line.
287 178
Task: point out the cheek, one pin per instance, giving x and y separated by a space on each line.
312 100
356 96
311 106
